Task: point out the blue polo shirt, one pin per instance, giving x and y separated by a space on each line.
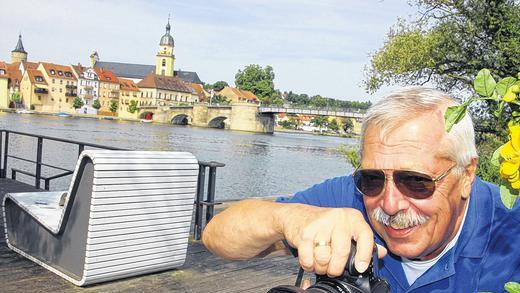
485 257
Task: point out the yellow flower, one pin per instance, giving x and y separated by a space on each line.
510 154
509 96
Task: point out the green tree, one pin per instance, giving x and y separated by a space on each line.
220 99
96 104
77 103
319 121
219 85
258 80
113 106
287 124
132 107
448 45
348 125
15 97
333 125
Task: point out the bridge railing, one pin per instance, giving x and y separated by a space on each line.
355 113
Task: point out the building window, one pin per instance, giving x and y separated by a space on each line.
38 78
60 73
2 71
61 90
164 62
53 72
66 100
53 80
159 95
68 74
61 81
39 98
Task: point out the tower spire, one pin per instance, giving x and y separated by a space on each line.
19 45
19 54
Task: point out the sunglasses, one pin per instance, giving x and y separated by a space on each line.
371 182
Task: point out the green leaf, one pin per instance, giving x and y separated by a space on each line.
508 194
453 115
512 287
495 158
504 84
498 111
484 83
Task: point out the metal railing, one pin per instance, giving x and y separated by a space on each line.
205 197
207 201
37 175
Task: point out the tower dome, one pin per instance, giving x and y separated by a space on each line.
167 39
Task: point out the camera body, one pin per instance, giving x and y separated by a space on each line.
351 281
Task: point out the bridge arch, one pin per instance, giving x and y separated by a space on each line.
217 122
181 119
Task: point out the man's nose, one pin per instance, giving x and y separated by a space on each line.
393 200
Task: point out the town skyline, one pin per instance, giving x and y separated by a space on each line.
300 53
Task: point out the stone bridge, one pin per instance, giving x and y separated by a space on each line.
240 116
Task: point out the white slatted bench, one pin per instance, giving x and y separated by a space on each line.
125 213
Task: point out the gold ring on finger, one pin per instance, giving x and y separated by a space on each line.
321 243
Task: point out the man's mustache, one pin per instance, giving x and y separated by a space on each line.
401 220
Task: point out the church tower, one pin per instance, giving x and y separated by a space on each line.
165 58
18 54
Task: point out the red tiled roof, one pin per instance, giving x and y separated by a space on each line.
78 69
15 75
33 73
106 75
128 85
247 95
53 70
3 70
201 92
170 83
30 65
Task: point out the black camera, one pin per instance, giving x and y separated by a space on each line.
351 281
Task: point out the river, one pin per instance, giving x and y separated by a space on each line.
256 164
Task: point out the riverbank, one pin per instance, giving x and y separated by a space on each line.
75 115
345 135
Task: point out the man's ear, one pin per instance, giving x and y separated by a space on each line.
468 177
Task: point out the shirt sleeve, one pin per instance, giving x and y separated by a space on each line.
338 192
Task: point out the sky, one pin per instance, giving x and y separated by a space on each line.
315 47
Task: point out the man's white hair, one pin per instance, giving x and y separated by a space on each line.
403 105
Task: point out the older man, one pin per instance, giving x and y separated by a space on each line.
444 228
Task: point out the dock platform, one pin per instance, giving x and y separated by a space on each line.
202 272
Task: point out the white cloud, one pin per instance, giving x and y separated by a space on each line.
315 47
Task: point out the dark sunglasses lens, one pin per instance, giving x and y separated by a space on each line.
370 182
414 184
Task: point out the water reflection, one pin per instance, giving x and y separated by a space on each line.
256 164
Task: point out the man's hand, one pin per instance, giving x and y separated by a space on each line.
254 228
323 239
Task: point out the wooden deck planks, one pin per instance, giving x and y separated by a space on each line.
202 272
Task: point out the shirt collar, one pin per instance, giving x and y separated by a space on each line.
476 231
